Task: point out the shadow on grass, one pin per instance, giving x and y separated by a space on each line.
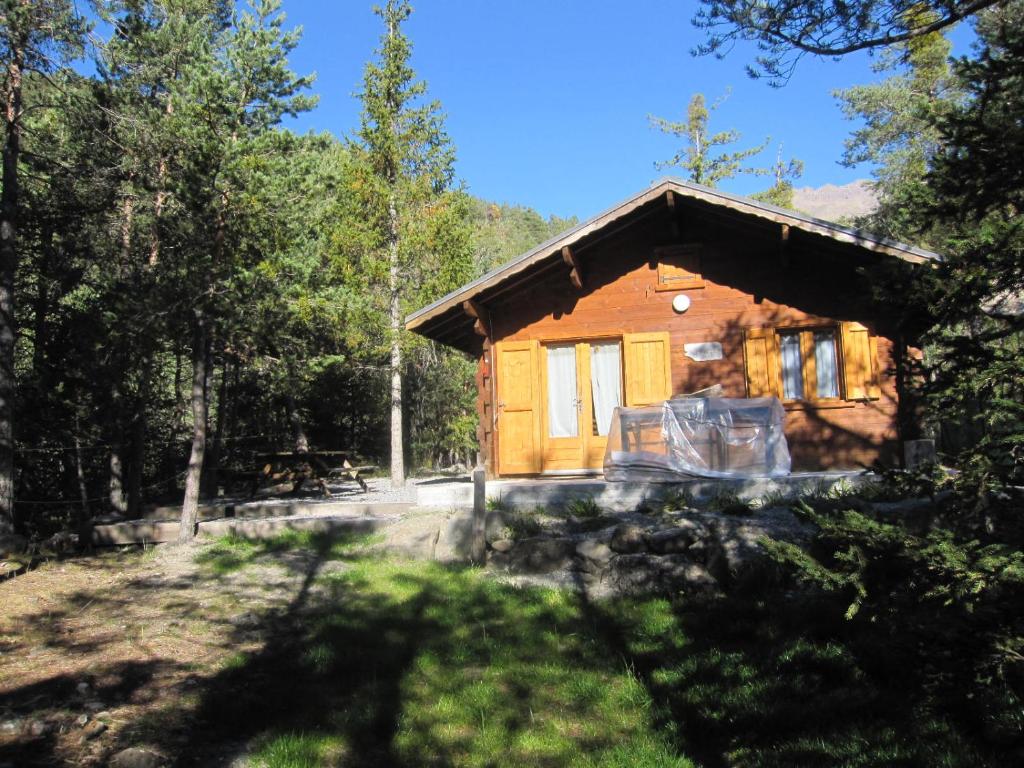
376 662
767 681
408 664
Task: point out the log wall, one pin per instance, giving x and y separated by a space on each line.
753 277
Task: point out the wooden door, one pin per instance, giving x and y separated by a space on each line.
518 391
563 428
576 416
602 394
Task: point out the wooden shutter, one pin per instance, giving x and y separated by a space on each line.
761 362
678 268
648 363
518 391
860 362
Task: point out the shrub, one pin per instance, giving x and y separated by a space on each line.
938 606
583 507
676 499
521 525
728 503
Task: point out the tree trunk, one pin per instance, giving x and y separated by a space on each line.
193 477
83 489
116 478
212 479
83 520
295 419
42 307
8 267
137 462
395 318
118 501
159 199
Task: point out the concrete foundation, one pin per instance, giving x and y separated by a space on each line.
555 493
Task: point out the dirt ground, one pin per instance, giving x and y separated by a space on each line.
97 654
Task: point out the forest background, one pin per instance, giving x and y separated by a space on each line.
188 273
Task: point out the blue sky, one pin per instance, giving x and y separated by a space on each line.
547 102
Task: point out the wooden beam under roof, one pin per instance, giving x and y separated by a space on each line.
481 317
575 272
670 200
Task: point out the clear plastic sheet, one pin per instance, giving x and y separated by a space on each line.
698 437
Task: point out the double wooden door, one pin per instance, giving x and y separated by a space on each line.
582 385
556 399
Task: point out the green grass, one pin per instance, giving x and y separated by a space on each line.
230 553
496 504
583 507
415 664
522 525
728 502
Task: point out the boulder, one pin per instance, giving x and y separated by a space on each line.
734 551
502 545
137 757
627 539
677 539
645 573
595 551
499 560
542 555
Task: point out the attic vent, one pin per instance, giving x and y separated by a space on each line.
679 267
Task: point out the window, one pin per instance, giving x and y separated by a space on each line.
808 364
826 364
792 366
678 268
826 367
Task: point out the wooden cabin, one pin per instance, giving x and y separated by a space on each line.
677 289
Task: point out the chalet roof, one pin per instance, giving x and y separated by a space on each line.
551 250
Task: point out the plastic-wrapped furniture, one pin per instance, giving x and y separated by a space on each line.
698 437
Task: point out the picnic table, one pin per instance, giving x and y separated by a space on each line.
298 467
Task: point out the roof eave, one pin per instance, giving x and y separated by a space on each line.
686 189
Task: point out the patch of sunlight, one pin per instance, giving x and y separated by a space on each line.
300 750
235 661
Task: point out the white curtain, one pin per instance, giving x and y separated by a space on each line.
792 371
825 363
606 383
562 417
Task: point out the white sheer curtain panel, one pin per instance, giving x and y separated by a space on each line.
825 363
563 420
792 370
606 383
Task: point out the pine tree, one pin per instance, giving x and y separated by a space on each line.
236 88
696 157
899 131
781 192
408 163
35 36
